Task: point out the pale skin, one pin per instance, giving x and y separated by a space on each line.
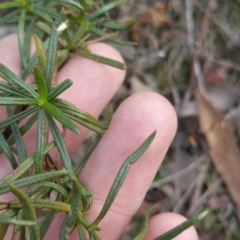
135 119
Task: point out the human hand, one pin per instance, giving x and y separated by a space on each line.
135 119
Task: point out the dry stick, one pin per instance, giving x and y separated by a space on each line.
190 38
195 185
205 196
198 44
231 64
200 182
185 196
190 24
175 92
175 176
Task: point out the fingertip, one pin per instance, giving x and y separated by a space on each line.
9 49
161 223
158 107
147 112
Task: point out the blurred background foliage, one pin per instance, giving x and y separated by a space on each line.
171 37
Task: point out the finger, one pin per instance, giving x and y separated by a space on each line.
94 84
10 57
9 52
11 61
135 119
133 122
164 222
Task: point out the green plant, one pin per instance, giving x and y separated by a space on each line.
60 29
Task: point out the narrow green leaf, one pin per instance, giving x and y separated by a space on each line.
21 149
109 116
40 142
9 213
63 53
94 236
60 116
51 53
42 13
144 231
40 52
59 89
28 40
41 84
113 40
9 89
180 228
28 210
6 19
24 128
61 146
16 228
33 61
122 174
76 196
70 2
85 3
47 29
80 116
29 123
29 180
105 9
9 5
94 128
80 32
81 232
44 27
24 166
11 77
40 193
86 198
13 221
118 26
71 218
80 165
3 231
66 227
68 37
21 38
16 117
8 152
121 42
17 101
46 224
52 185
101 59
44 204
